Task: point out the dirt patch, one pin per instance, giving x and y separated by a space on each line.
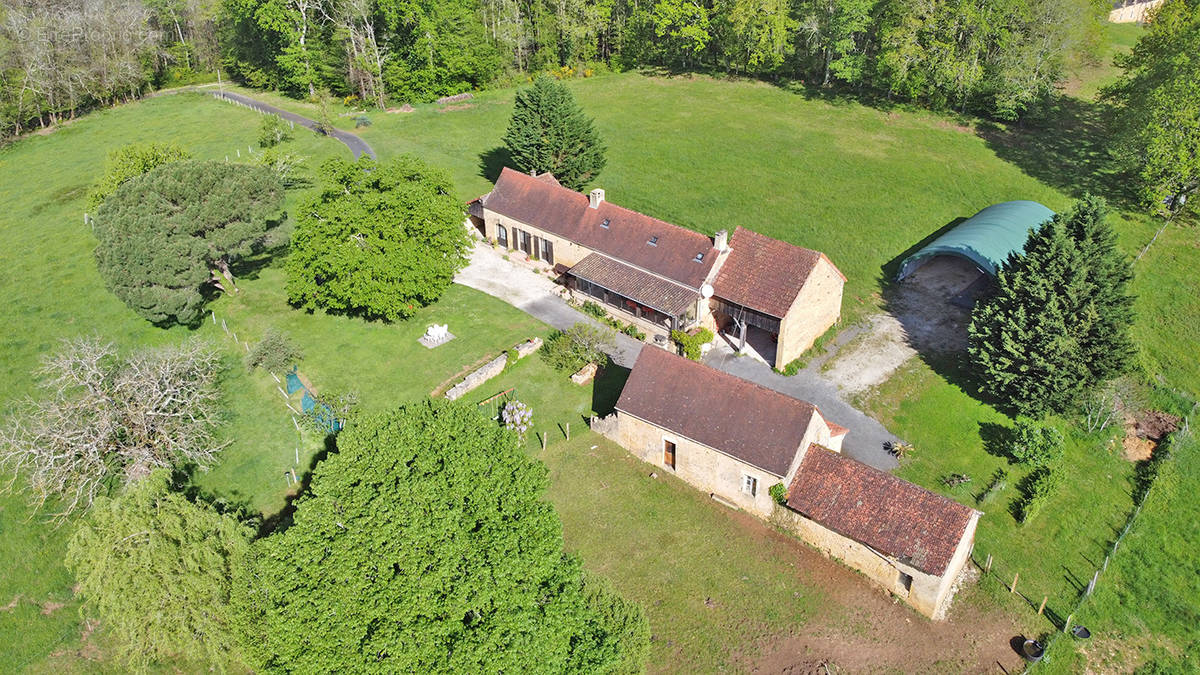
49 607
1156 424
927 313
406 108
460 106
1136 449
12 604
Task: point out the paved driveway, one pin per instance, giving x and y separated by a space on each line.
534 294
357 145
540 297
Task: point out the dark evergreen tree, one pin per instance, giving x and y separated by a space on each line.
424 546
1059 320
550 132
1107 347
167 234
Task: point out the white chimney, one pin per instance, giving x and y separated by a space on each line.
595 197
721 241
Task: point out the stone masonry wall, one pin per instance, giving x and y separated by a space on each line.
815 309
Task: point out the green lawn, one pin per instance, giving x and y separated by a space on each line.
862 184
1090 76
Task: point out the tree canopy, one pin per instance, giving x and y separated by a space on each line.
157 569
550 132
132 160
106 421
168 235
424 545
1059 320
1158 105
380 240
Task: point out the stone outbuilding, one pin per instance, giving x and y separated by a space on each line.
735 439
757 291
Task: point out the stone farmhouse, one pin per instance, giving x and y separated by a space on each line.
736 439
776 297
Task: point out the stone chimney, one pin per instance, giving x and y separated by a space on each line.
721 241
595 197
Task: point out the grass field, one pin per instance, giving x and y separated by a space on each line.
862 184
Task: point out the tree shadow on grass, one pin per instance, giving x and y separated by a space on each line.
996 439
1069 150
492 162
281 520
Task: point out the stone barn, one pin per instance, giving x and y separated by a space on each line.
735 439
761 293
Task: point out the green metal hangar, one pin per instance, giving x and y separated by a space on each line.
986 239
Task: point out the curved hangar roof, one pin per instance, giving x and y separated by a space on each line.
986 238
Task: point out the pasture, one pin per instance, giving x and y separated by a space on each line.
862 184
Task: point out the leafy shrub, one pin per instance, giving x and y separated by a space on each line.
517 417
274 353
130 161
577 346
285 166
594 310
273 131
1036 490
689 345
795 366
778 492
623 625
362 121
1034 444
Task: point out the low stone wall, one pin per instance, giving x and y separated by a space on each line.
584 375
605 426
492 368
488 371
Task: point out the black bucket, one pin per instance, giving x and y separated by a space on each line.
1033 650
1081 632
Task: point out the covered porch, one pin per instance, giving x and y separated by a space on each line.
630 294
748 331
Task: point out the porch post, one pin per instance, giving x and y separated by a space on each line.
742 334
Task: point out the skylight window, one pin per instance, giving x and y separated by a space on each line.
699 258
653 241
605 223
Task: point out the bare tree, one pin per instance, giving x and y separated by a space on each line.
107 420
1108 400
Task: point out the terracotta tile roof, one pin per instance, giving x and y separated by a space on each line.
764 274
759 426
892 516
836 429
548 206
667 297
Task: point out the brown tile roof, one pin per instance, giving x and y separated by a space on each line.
892 516
667 297
764 274
564 212
759 426
836 429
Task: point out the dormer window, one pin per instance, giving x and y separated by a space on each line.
653 241
699 258
605 223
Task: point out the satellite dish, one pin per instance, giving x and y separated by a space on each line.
706 291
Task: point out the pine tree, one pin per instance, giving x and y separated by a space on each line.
167 234
1059 320
1107 348
550 132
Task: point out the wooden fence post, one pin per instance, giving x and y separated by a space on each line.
1013 588
1067 624
568 431
1092 584
544 441
1042 608
987 566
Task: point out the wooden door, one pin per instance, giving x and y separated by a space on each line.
669 454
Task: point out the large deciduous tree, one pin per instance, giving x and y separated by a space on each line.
157 569
381 240
1059 320
550 132
107 420
424 545
1158 105
168 234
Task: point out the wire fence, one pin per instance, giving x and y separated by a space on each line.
1062 615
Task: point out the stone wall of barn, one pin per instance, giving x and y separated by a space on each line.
703 467
927 593
817 307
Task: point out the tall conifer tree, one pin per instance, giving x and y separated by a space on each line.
1059 320
550 132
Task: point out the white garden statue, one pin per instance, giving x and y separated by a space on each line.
437 332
